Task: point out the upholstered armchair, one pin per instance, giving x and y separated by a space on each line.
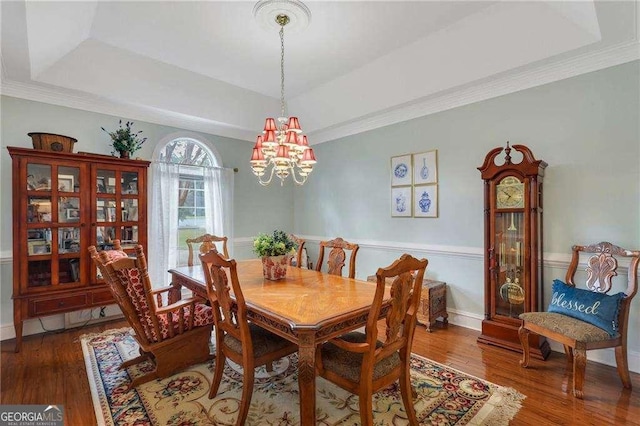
173 333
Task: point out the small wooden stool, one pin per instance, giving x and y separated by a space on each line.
433 302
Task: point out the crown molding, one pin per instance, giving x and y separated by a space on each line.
476 92
88 102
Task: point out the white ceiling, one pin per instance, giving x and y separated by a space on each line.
209 66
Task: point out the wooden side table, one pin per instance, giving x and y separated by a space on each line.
433 302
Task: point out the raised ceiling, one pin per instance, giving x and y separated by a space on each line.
209 66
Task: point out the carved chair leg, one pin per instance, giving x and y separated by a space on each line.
579 367
269 366
623 366
217 374
407 392
523 334
247 392
366 407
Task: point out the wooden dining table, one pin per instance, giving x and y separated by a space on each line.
306 307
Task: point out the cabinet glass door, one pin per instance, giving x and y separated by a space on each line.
53 215
117 208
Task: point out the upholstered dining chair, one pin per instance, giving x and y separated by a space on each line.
206 241
584 319
359 362
298 259
172 335
337 256
239 340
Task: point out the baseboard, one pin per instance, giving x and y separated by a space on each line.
92 316
465 319
61 321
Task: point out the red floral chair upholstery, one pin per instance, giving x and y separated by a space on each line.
174 334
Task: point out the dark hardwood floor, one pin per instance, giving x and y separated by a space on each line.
50 370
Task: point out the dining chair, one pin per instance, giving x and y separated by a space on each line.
206 241
359 362
337 256
239 340
601 321
172 335
298 259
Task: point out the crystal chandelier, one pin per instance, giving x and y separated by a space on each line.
282 149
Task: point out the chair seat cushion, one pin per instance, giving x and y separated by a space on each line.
348 364
264 341
573 328
203 316
596 308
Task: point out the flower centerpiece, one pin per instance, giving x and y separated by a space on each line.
124 140
275 250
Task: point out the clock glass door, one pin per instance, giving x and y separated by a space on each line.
509 279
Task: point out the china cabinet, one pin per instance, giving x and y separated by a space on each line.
62 204
512 247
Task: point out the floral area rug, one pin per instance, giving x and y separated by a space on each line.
445 396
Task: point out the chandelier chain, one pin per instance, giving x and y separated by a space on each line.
282 70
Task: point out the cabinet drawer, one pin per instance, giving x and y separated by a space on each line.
58 304
102 297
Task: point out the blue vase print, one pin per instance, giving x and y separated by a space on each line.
425 202
424 171
401 203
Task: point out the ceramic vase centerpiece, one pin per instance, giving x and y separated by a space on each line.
275 250
124 140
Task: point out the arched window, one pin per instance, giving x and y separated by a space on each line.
191 196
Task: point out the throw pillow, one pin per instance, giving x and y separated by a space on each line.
598 309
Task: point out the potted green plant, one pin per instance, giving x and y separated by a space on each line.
275 250
124 140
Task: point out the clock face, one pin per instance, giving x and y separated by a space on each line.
510 193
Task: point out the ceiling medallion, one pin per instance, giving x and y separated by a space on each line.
267 11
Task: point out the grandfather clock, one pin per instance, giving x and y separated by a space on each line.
512 247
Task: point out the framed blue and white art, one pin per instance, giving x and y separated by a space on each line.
425 167
401 201
425 201
401 170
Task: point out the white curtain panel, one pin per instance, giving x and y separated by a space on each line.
163 222
218 199
218 202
